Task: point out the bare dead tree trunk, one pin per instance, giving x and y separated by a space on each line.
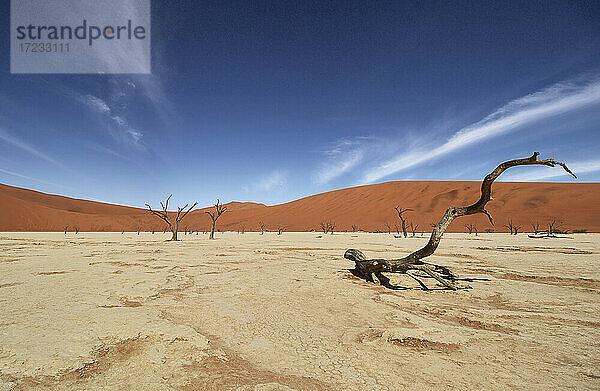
413 229
370 268
389 227
514 229
219 210
324 227
163 215
354 227
66 230
510 226
536 228
471 228
262 227
402 219
280 230
330 227
553 226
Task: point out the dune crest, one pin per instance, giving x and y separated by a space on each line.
369 207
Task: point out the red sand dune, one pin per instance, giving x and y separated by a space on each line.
576 206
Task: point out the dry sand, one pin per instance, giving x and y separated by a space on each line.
576 206
250 312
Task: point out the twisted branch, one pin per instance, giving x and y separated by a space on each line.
367 269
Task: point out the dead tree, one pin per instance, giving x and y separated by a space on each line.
553 226
280 229
513 228
354 227
389 227
76 230
214 216
262 227
402 219
66 230
324 227
367 269
330 227
536 228
509 226
413 228
164 215
471 228
397 229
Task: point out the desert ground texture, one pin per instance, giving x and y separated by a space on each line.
112 311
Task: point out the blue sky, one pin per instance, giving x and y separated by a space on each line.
272 101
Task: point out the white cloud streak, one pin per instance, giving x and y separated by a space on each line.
26 147
132 135
272 182
24 176
540 174
555 100
331 170
342 156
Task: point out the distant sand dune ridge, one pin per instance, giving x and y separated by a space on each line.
576 206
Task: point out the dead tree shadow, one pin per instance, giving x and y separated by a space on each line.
417 276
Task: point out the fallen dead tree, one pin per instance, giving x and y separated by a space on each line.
369 269
554 227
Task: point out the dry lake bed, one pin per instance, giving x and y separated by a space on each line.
112 311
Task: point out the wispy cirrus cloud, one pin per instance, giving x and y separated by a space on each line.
335 168
103 149
547 103
16 174
343 156
540 174
272 182
5 136
126 131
